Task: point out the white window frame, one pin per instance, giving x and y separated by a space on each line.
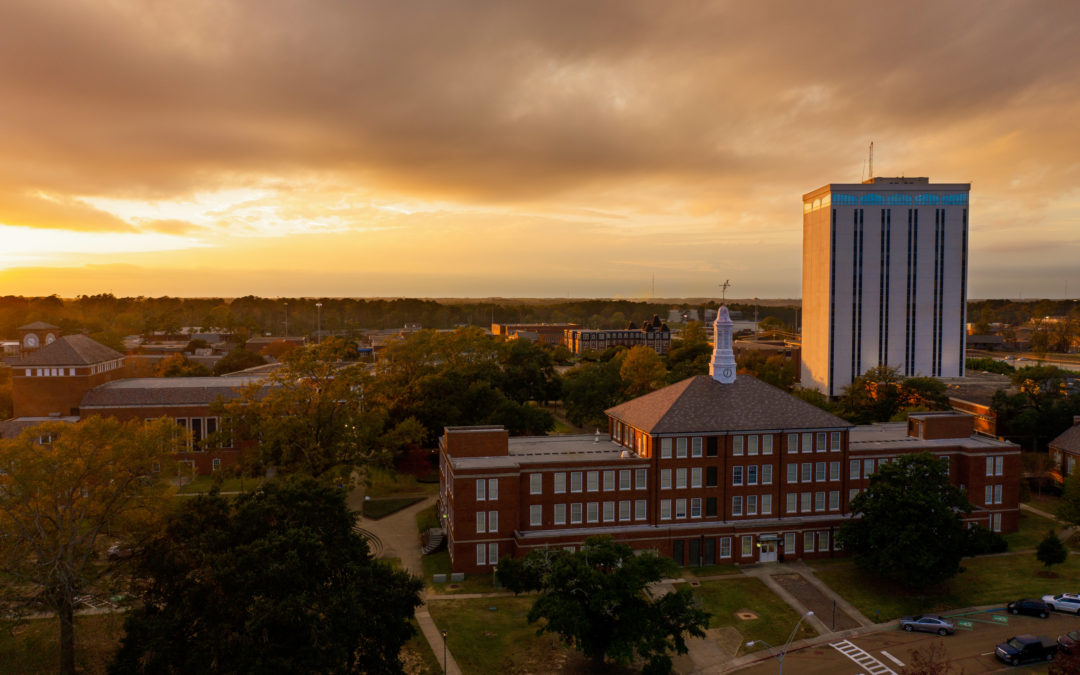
736 505
680 448
695 507
819 501
560 514
834 500
575 481
577 513
624 510
696 446
493 521
792 443
640 479
481 522
725 547
560 482
641 509
493 489
751 505
680 478
481 554
536 483
665 448
808 542
592 512
823 540
695 477
665 509
766 444
624 479
793 473
665 479
766 474
609 512
747 546
680 509
736 446
592 481
736 475
789 543
752 474
791 502
481 490
835 444
766 505
536 515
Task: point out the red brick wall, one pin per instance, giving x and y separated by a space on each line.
41 396
486 443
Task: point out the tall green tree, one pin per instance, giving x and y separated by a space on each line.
642 371
275 581
592 388
1069 508
907 526
313 414
64 488
595 599
1051 551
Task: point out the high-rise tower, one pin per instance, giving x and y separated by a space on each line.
906 239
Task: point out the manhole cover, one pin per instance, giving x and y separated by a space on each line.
746 615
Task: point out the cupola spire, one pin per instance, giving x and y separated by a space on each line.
722 367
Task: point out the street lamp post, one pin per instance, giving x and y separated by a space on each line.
444 652
780 655
318 324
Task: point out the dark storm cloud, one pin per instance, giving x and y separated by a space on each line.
496 100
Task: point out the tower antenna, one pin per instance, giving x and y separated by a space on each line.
871 160
723 290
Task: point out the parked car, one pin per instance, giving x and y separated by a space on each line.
1025 649
1030 607
928 623
1063 602
1069 641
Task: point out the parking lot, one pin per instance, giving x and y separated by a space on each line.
970 650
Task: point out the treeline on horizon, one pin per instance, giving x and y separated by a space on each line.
108 318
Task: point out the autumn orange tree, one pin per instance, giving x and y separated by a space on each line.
63 488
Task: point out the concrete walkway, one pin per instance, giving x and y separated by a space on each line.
707 656
399 538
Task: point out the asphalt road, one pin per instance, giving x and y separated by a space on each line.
969 651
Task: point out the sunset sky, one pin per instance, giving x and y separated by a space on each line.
548 148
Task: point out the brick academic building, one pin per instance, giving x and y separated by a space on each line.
709 470
71 377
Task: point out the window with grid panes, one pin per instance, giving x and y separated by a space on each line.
793 473
752 474
624 479
835 444
680 448
609 512
807 442
725 547
819 501
560 482
592 512
680 478
665 479
536 513
751 445
766 505
766 445
665 448
793 442
736 475
560 514
791 505
536 483
821 446
639 479
819 472
766 474
695 447
834 500
592 481
624 510
680 508
751 505
575 514
575 481
695 507
665 509
737 446
736 505
640 506
609 480
695 477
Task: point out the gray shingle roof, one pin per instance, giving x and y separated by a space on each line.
38 325
71 350
1068 440
703 405
156 391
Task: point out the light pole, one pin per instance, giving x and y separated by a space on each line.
286 319
444 652
787 644
318 325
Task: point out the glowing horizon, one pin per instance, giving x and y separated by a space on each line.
524 150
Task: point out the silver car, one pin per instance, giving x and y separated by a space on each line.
928 623
1065 602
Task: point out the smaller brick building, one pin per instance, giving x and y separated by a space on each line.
1065 450
654 334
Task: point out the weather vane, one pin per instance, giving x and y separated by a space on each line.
723 290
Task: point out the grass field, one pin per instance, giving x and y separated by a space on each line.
709 571
34 646
386 483
439 563
986 581
417 657
1032 530
381 508
722 599
492 635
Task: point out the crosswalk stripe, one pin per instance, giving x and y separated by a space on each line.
862 658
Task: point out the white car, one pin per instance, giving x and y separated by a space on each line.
1063 602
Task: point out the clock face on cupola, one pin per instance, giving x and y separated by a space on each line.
50 338
30 340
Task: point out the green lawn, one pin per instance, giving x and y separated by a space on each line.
417 656
439 563
427 519
775 618
34 647
709 571
388 483
492 635
381 508
986 581
1032 530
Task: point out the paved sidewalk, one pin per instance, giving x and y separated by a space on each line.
400 540
708 657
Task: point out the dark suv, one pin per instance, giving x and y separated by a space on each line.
1031 607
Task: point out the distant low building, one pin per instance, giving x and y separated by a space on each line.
654 334
549 333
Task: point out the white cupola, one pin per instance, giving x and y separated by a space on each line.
722 368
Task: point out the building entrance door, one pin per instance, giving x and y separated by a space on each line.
767 552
